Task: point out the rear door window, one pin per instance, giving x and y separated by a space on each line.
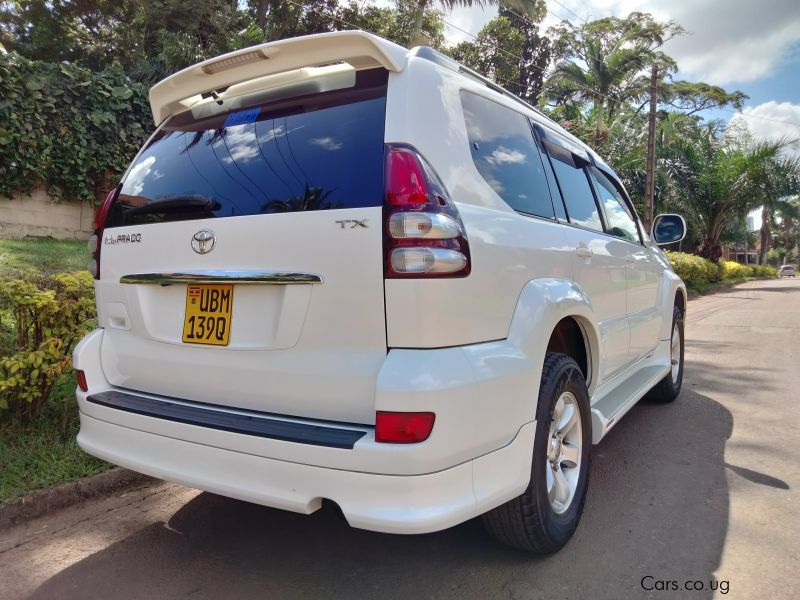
505 154
319 152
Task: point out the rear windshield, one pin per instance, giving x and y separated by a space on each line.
319 152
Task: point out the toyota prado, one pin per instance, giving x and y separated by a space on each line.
342 270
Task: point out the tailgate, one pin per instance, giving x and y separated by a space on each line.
264 225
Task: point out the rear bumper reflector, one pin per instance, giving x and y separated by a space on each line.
247 423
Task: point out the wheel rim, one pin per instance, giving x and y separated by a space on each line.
675 352
564 453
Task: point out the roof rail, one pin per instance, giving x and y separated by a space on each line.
360 49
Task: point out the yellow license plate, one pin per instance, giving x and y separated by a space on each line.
208 314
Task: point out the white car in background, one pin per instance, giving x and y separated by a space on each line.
342 270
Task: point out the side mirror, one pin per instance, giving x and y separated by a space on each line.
668 229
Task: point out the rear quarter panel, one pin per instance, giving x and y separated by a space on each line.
508 249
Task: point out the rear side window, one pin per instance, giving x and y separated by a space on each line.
505 154
318 152
620 221
578 197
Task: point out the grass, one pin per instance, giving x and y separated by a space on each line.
42 453
45 255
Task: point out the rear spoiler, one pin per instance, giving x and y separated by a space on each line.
359 49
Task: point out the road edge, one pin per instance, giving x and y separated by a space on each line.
715 288
37 504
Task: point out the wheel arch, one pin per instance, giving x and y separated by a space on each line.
673 293
556 308
569 336
680 299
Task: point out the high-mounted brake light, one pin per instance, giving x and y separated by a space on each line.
403 427
423 233
96 240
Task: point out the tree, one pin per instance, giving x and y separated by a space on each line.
528 8
728 178
395 23
510 50
691 97
615 52
87 32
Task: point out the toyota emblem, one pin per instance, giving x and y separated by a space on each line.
203 241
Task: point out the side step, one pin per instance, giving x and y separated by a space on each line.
213 417
608 409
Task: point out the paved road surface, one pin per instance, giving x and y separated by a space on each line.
705 487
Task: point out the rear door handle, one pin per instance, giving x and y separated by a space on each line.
583 252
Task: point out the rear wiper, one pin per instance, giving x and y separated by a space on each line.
187 203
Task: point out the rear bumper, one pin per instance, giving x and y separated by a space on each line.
386 503
477 457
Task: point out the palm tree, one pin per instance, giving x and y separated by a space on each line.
612 78
723 182
773 177
528 8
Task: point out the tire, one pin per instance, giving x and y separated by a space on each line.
531 521
668 388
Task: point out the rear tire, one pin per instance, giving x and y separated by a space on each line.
546 515
668 388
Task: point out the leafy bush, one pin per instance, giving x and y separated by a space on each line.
698 272
48 317
734 270
764 271
694 270
67 127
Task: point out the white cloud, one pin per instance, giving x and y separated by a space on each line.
503 155
471 19
241 143
770 121
729 41
326 143
134 183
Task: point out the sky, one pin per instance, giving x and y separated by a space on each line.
747 45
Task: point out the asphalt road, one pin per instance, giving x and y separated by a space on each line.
704 488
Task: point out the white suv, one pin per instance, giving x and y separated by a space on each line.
341 270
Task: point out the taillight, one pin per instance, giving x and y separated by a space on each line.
403 427
80 378
423 232
96 240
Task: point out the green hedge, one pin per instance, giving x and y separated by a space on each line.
694 270
764 271
66 127
698 272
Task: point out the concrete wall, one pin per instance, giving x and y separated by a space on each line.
39 215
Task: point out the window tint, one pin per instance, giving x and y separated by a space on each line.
577 195
506 155
620 221
322 151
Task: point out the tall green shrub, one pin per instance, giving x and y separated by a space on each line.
66 127
694 270
48 316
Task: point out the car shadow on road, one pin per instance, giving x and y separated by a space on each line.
657 507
